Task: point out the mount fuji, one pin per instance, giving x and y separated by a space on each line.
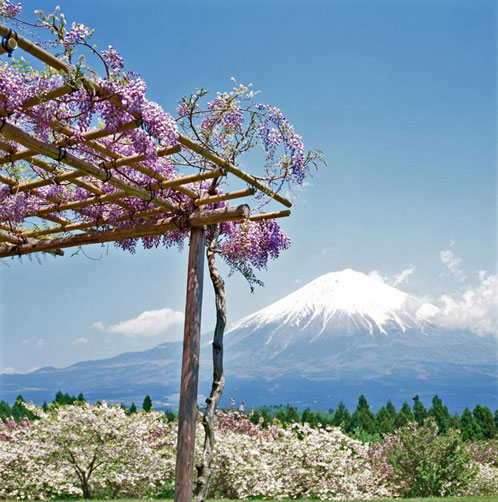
339 336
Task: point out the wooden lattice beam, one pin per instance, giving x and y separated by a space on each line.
133 231
16 134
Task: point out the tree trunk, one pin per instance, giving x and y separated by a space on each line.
204 469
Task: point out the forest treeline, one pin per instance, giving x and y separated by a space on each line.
361 423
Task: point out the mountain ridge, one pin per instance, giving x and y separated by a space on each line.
338 336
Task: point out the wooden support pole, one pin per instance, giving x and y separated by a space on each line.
190 368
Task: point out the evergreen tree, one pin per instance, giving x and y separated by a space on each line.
5 410
485 421
384 421
391 410
281 416
45 406
496 419
468 426
419 411
147 404
81 398
405 415
133 409
255 418
363 418
342 416
440 414
170 416
292 415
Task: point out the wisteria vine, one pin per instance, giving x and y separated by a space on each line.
231 125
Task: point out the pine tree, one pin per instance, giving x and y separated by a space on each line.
419 411
342 417
405 415
147 404
384 421
440 414
496 419
468 426
81 398
485 421
363 418
292 415
133 409
281 416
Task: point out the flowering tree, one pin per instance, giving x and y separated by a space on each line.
87 450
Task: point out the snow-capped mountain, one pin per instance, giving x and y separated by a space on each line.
337 337
346 300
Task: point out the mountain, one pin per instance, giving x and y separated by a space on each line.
337 337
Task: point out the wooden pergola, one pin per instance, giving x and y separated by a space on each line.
65 224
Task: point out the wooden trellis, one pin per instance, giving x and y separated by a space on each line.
65 224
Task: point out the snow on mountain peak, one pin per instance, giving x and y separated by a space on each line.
347 293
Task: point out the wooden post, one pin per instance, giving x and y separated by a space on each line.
190 368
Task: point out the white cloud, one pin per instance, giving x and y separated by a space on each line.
476 310
375 274
148 323
80 341
396 279
40 343
7 370
402 276
452 261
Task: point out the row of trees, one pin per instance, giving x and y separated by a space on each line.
362 423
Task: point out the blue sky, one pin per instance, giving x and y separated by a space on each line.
400 96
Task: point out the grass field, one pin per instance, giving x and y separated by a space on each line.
492 498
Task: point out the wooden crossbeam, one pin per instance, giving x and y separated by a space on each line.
11 45
16 134
135 231
99 222
270 216
234 170
101 197
225 196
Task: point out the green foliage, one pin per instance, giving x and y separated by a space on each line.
486 427
427 463
468 426
404 416
147 404
363 418
440 414
64 399
419 411
133 409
